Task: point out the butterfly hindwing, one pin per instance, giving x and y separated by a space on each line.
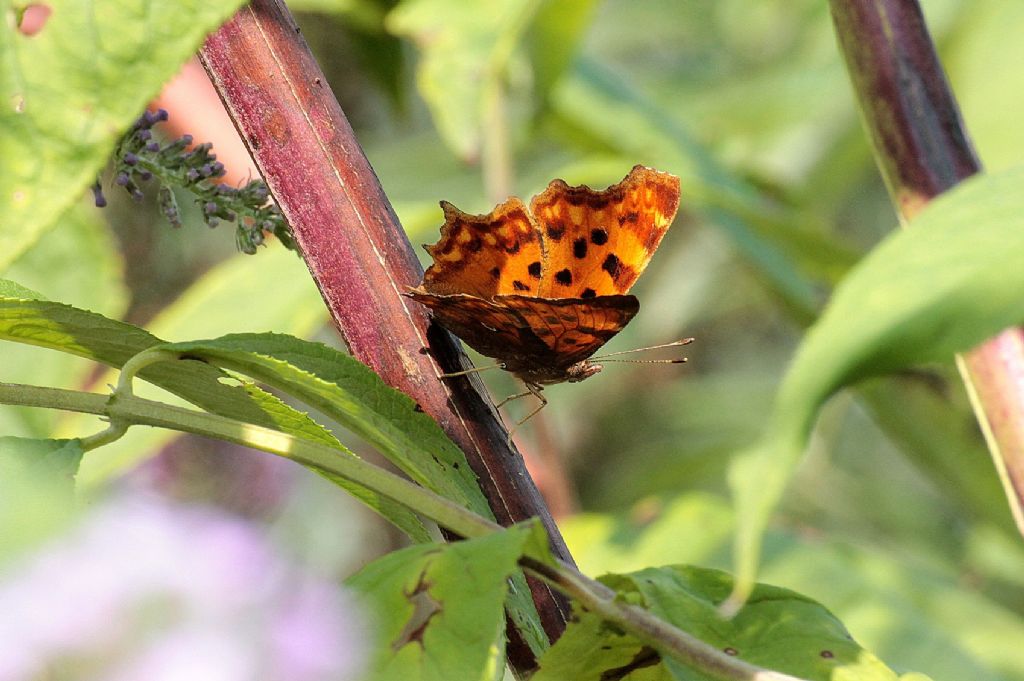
573 329
490 328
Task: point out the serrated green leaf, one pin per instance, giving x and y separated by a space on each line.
777 629
71 89
12 289
940 287
352 394
86 334
438 608
287 301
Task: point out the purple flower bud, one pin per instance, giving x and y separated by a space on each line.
217 169
97 195
130 159
212 222
192 175
153 147
205 170
122 179
153 117
137 195
144 135
210 208
145 175
186 140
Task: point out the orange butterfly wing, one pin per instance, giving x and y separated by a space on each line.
486 255
543 291
597 243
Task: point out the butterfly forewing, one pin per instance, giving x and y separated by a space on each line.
597 243
486 255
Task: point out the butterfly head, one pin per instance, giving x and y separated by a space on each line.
581 371
540 375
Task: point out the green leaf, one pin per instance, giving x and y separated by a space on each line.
12 289
777 629
36 489
353 395
71 89
58 459
89 335
438 608
905 605
465 50
93 283
93 336
554 37
940 287
287 301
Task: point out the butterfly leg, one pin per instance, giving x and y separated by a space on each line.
508 399
532 389
474 370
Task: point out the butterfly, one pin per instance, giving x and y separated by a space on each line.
540 289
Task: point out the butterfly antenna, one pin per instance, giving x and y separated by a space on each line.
474 370
673 344
677 360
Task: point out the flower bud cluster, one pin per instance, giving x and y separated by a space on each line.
141 158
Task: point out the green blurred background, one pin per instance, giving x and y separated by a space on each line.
896 520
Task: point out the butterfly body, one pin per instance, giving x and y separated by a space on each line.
542 289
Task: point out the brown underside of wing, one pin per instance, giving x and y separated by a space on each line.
527 332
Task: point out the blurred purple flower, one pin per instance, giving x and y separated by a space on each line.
144 589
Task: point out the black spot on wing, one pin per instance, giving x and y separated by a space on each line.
588 293
598 237
520 286
612 266
556 232
534 269
564 277
579 248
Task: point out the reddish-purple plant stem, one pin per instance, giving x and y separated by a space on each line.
358 253
923 149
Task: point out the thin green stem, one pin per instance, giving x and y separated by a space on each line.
124 408
128 409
